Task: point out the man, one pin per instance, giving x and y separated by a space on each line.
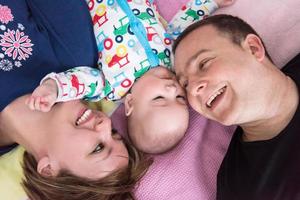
230 78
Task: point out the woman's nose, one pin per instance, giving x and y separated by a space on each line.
103 126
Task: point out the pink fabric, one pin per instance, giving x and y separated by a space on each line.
188 171
277 22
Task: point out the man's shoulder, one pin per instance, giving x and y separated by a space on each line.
292 65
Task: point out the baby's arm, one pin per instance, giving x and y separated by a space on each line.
76 83
193 11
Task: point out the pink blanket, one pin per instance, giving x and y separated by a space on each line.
277 22
189 171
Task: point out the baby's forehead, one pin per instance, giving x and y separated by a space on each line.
162 70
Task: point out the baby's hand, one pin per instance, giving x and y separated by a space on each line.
224 3
43 97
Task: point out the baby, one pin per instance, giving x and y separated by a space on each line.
134 61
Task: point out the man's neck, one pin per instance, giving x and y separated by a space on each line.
280 112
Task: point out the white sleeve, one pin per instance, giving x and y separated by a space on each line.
78 83
191 12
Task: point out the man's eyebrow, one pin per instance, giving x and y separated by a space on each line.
178 76
195 56
190 60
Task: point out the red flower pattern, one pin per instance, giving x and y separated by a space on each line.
5 14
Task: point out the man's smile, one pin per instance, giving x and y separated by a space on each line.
215 97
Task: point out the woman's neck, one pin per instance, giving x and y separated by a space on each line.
5 137
17 124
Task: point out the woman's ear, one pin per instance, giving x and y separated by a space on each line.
255 46
128 104
46 168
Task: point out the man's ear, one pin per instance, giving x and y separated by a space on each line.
46 168
128 104
255 46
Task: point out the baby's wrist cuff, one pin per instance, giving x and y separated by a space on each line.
59 80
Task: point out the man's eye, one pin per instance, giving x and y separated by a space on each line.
98 148
184 84
180 97
203 63
158 97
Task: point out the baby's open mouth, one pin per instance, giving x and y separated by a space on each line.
215 96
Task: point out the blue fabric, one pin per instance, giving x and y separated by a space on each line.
6 149
139 31
62 36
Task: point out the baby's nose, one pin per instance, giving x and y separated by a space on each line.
171 86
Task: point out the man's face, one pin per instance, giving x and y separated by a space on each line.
81 141
220 77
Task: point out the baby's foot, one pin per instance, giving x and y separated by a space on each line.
224 3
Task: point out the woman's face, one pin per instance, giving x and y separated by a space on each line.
81 141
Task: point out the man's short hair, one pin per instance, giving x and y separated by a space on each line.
233 27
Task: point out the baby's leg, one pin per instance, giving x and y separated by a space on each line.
192 11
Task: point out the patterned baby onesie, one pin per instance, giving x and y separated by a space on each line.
131 40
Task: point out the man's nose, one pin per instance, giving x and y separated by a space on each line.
196 88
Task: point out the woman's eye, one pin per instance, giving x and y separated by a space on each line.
114 131
115 134
98 148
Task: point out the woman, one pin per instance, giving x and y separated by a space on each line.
73 156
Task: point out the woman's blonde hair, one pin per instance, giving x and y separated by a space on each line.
119 185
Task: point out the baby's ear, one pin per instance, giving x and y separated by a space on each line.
128 104
46 168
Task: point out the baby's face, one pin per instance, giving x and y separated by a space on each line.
159 104
159 90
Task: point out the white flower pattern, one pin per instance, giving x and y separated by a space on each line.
18 64
6 65
2 27
15 45
21 27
